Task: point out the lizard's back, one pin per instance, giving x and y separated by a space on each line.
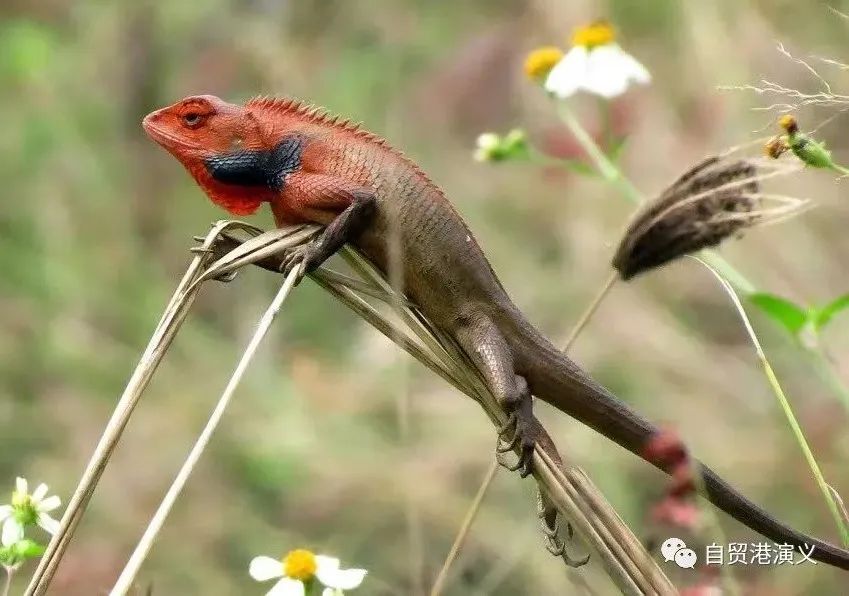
444 269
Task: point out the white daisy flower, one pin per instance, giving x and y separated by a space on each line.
300 568
595 64
27 510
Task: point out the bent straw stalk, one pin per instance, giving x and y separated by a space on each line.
159 342
630 567
628 564
172 318
125 580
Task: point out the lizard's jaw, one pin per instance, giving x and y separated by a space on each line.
156 126
152 125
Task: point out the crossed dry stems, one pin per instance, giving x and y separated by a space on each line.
231 245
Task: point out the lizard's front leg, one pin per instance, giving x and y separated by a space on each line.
318 198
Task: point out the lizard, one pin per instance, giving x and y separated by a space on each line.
312 167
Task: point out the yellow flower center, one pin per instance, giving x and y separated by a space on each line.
599 33
299 564
540 62
788 123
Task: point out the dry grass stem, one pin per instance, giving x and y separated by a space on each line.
631 568
796 99
128 575
590 310
840 504
169 324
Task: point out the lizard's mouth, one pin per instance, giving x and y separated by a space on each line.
157 130
158 133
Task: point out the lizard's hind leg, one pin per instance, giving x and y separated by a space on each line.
485 345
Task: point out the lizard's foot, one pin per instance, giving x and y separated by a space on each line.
518 434
550 522
305 255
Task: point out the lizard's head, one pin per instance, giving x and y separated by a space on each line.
199 128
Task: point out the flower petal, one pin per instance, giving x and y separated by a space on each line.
50 503
329 574
12 532
287 587
606 72
568 75
636 71
348 579
265 568
21 485
49 524
329 564
5 511
39 492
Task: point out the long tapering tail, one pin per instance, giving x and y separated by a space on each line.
554 378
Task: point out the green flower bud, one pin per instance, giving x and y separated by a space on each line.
494 147
809 151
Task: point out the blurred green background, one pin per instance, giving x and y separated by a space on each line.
96 222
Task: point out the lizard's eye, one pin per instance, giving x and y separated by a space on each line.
192 119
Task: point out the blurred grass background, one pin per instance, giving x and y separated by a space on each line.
96 222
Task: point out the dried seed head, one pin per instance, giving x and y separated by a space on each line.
707 204
776 147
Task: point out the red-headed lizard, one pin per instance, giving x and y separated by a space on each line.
311 167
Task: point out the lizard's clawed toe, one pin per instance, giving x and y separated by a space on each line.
294 258
557 546
517 433
550 524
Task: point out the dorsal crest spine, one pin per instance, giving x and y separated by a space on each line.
319 115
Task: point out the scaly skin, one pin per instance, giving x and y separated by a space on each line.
312 168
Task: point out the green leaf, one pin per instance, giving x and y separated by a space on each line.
789 315
824 315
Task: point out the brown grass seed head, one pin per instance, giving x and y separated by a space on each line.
710 202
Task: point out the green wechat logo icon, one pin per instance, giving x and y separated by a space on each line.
674 549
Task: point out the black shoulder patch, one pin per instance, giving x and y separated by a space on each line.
258 168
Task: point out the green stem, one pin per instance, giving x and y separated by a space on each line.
613 174
806 450
606 168
840 170
788 410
